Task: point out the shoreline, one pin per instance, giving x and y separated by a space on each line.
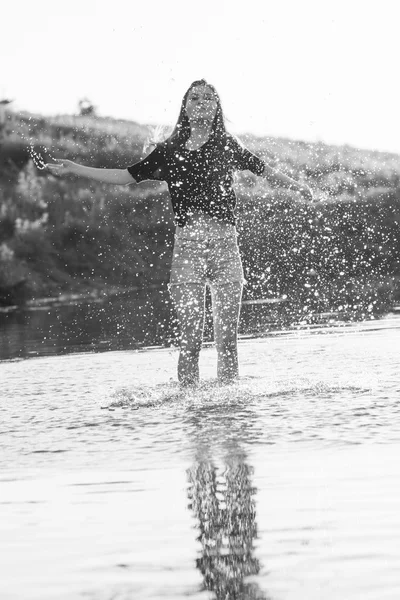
65 298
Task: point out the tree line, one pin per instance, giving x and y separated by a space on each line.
68 235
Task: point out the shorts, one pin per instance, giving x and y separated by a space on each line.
206 251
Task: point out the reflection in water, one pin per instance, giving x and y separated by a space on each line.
223 503
321 429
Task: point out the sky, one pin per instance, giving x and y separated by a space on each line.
313 70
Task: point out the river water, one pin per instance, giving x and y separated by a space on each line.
115 485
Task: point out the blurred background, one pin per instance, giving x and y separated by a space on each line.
309 87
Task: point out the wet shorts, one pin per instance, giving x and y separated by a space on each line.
206 251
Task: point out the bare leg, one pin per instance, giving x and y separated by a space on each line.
189 300
226 308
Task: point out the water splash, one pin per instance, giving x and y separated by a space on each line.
37 158
212 393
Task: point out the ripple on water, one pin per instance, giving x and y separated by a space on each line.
163 490
261 411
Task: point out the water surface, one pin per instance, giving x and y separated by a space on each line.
114 484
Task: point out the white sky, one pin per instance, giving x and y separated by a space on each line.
305 69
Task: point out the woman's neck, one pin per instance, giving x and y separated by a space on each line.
199 134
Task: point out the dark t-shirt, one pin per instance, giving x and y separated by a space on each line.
199 180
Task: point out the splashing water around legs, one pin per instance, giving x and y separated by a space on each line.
226 307
189 300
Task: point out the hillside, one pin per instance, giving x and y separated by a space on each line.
70 235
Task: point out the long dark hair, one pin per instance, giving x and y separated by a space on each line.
181 131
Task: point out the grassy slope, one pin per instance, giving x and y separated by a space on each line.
73 235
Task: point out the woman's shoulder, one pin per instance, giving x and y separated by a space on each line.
168 147
159 151
232 142
161 146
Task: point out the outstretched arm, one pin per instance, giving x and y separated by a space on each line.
113 176
277 179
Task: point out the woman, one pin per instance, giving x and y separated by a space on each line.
198 161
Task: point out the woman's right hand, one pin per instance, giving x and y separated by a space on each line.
60 167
